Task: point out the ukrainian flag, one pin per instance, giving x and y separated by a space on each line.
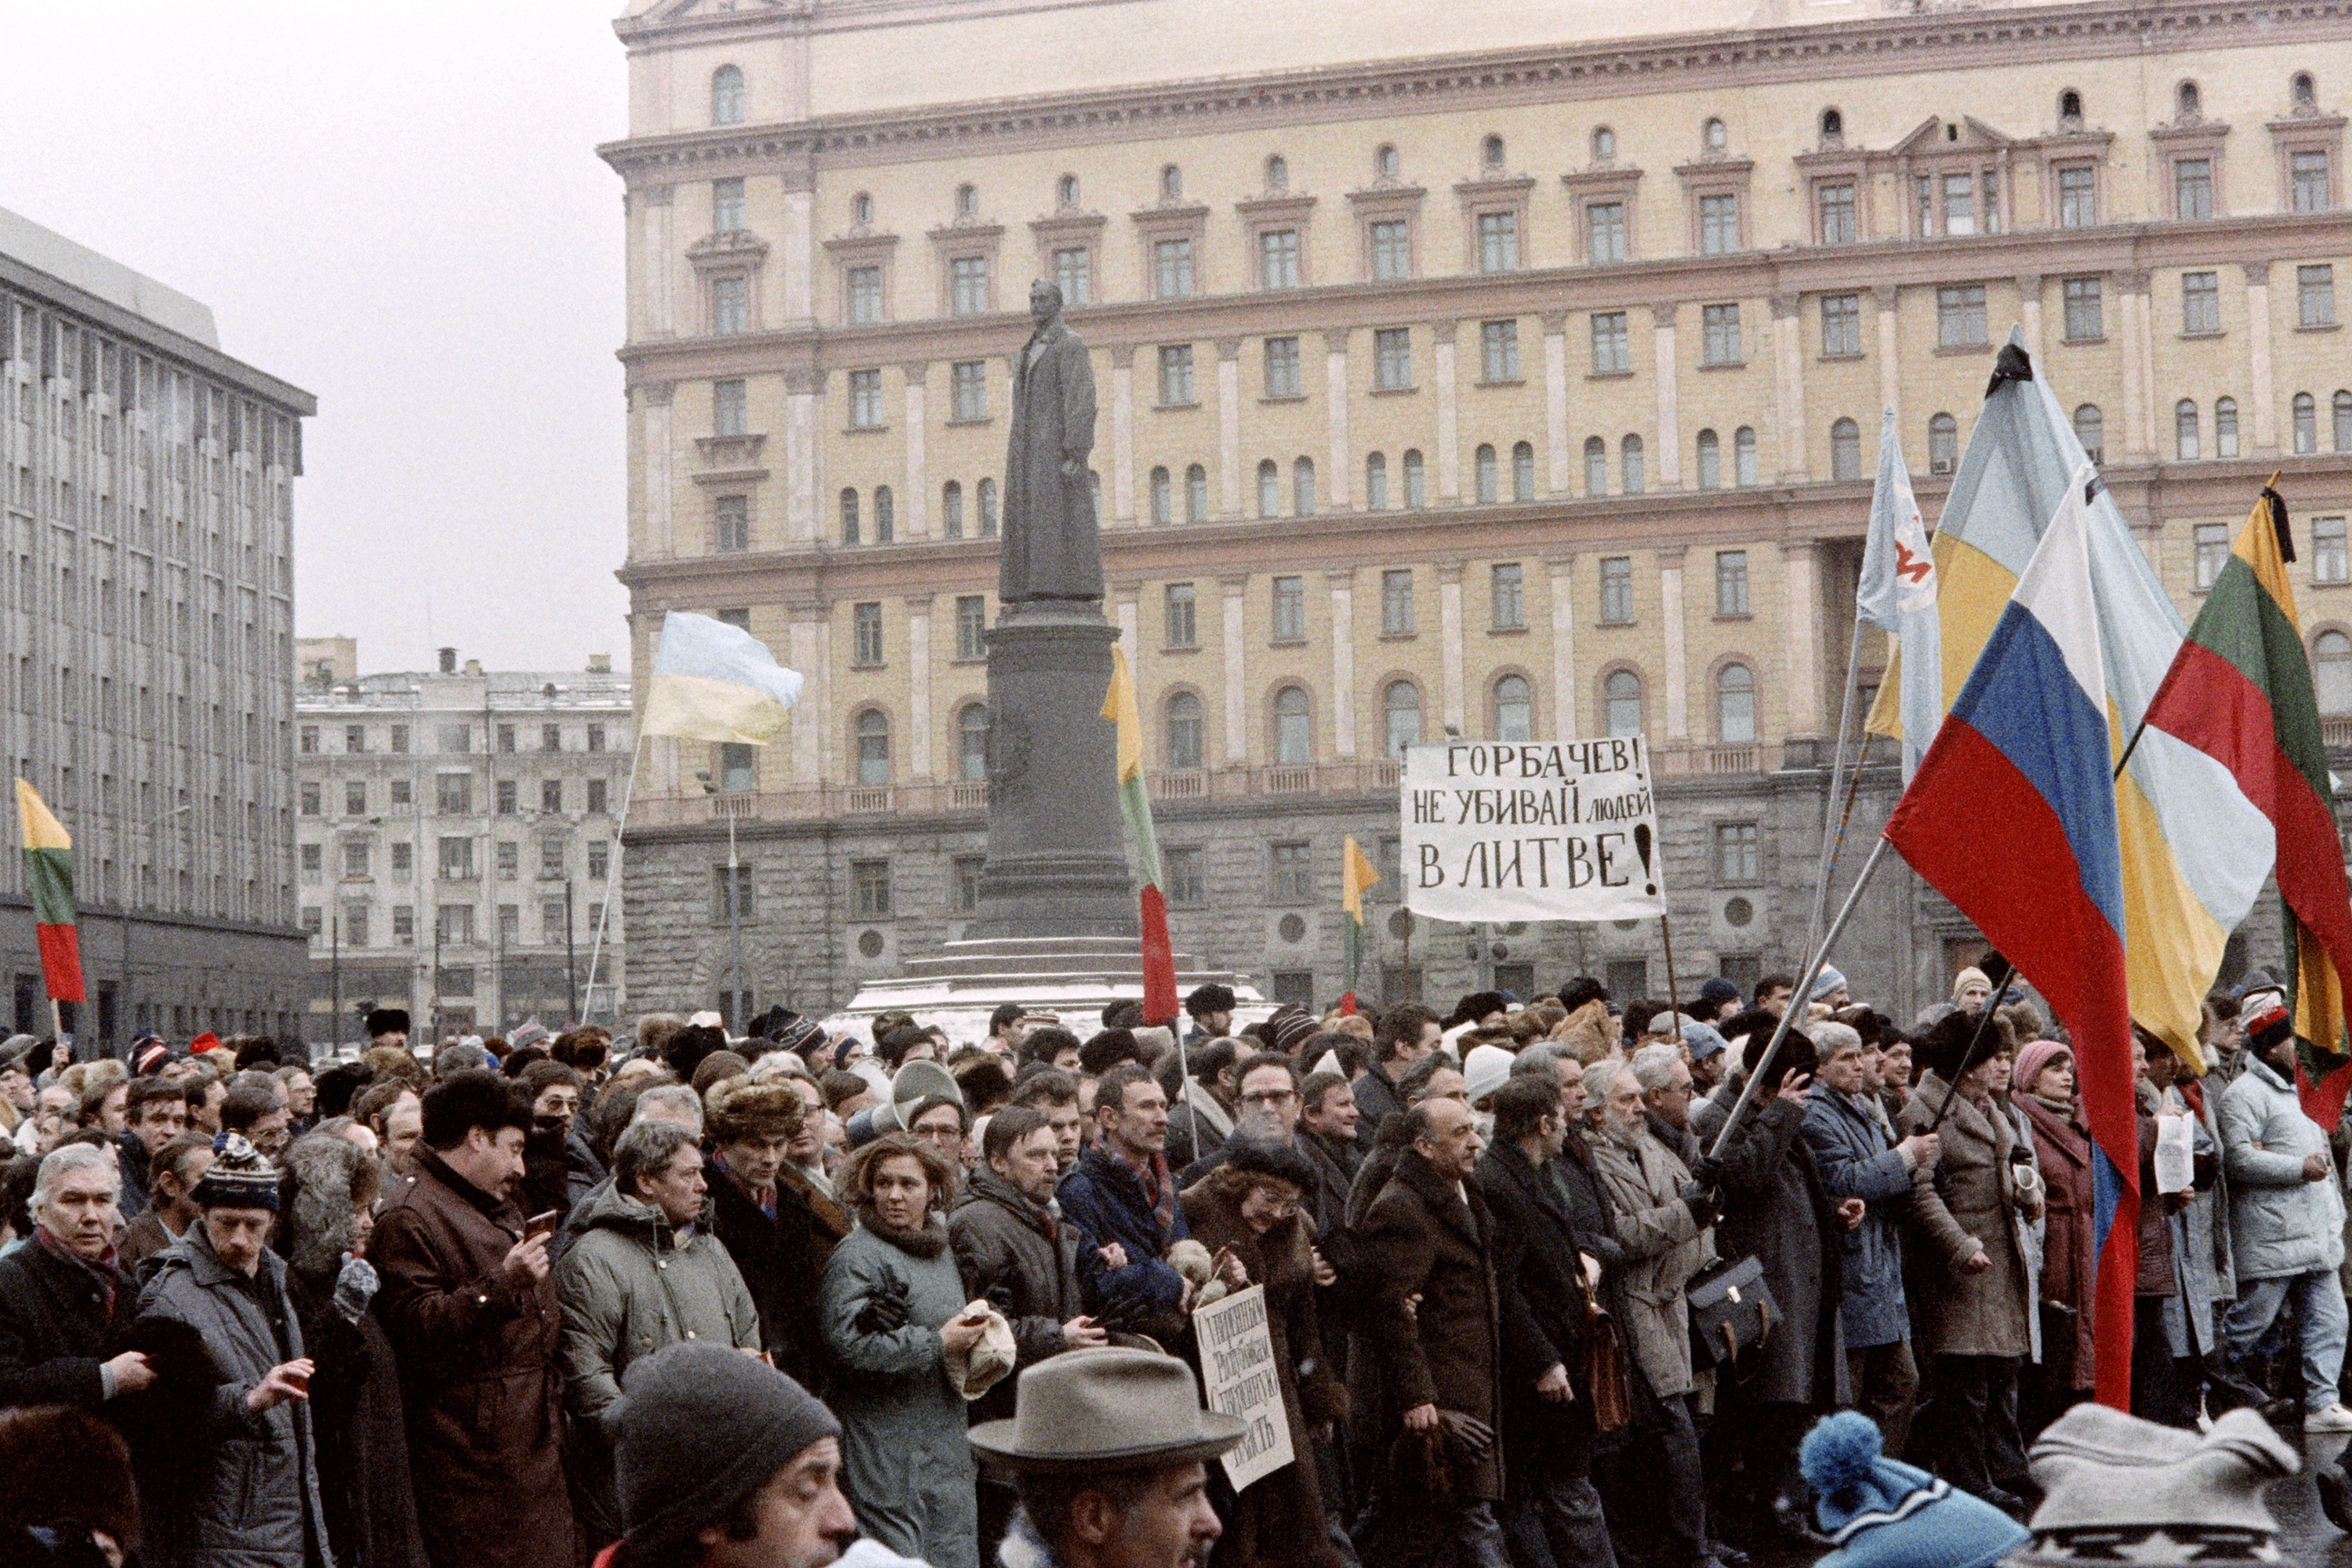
716 682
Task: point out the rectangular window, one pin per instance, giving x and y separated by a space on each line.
1719 334
404 860
1293 880
963 881
2201 302
731 306
1074 274
510 923
596 737
2314 296
2193 188
356 857
865 622
865 296
508 860
551 737
1612 351
2086 321
968 286
1176 375
400 740
2078 197
1393 359
1182 631
311 857
870 883
1739 852
730 517
600 860
1840 326
1960 204
552 927
597 789
314 923
1617 591
311 799
972 626
1171 268
865 399
550 859
1183 867
453 926
504 740
2213 550
308 741
403 925
1718 225
1499 350
2330 560
1391 244
355 924
1833 208
1731 583
551 794
730 409
354 739
1278 258
1396 604
354 798
1499 242
730 893
453 794
1604 232
1960 317
508 801
1282 378
1507 585
968 379
1290 609
456 863
2307 180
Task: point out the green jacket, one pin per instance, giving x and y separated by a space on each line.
631 1285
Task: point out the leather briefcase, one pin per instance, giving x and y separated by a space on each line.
1731 1311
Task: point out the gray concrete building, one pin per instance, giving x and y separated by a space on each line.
456 834
147 486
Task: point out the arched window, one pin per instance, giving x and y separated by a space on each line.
1490 151
1385 162
1183 749
1294 728
1515 708
861 210
952 510
1401 716
1277 173
886 515
1710 461
1629 458
2070 111
2343 410
2306 423
2331 671
1066 191
1172 182
726 96
1604 143
1164 497
2225 426
971 742
2185 102
1416 488
872 748
1302 488
1490 481
988 508
1269 490
1833 127
1734 705
849 517
1943 443
2304 92
1621 701
1845 449
1523 472
967 201
1714 137
1596 466
1196 494
1743 455
1376 483
2185 443
2091 429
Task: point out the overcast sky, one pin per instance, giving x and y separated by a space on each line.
399 208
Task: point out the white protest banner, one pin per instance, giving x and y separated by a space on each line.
1547 830
1238 1357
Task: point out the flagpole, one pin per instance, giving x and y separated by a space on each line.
604 908
1969 1056
1829 799
1674 992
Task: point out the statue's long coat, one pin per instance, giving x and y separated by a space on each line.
1051 549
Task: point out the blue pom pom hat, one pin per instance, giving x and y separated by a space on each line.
1882 1513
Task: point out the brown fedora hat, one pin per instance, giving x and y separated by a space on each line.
1109 1405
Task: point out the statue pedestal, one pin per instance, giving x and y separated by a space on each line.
1073 977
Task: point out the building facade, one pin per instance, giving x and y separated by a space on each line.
1528 388
147 484
455 840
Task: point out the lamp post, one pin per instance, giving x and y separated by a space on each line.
570 959
146 831
734 909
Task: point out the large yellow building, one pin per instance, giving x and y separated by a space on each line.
1503 369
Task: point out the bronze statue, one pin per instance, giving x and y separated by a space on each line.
1052 549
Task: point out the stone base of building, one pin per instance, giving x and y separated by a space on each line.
176 976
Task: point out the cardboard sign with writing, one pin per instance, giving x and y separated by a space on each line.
1545 830
1237 1363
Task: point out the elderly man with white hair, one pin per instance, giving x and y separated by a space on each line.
65 1309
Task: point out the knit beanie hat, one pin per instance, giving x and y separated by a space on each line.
240 1177
1877 1511
1828 982
1702 1040
698 1428
1716 993
1487 1069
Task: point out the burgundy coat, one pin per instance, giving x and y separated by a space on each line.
2067 1257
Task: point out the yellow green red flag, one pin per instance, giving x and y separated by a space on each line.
49 877
1357 876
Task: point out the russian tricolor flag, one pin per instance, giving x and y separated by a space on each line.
2011 816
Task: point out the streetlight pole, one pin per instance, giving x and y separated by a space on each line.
335 966
734 911
570 958
147 831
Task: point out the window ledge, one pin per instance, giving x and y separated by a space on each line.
1285 642
877 665
1399 637
1723 365
1615 626
1283 397
2200 337
2321 327
981 419
1839 359
1181 647
1518 631
1957 350
866 430
2090 342
1515 381
1739 615
969 658
1609 375
1175 407
1394 391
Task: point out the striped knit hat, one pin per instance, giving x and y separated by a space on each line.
240 1177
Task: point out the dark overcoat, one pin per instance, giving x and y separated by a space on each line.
780 1263
1051 549
1026 1263
1540 1279
1773 1206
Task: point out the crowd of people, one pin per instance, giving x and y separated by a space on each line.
440 1305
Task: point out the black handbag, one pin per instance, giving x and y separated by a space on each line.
1731 1311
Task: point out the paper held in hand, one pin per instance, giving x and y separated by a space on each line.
1549 830
1237 1364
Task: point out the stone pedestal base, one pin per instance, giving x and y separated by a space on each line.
1073 977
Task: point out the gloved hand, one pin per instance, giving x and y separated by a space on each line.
355 1286
886 1311
1701 1201
1706 1171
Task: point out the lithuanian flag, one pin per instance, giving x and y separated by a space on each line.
49 877
1356 876
2240 692
1135 805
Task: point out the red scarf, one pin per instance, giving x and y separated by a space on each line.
1158 1189
103 1272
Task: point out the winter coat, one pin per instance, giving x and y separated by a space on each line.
631 1285
828 1221
1423 1238
1104 1198
908 1472
1376 1100
2202 1237
777 1258
1965 1202
131 1156
1026 1262
2069 1260
1774 1207
1278 1521
1539 1281
2279 1222
559 1172
56 1329
1662 1248
260 1506
481 1379
1198 1126
1857 1159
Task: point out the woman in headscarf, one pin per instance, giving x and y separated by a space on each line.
2043 1089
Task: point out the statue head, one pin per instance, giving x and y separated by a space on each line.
1045 301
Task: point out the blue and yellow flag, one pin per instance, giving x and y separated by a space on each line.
717 682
